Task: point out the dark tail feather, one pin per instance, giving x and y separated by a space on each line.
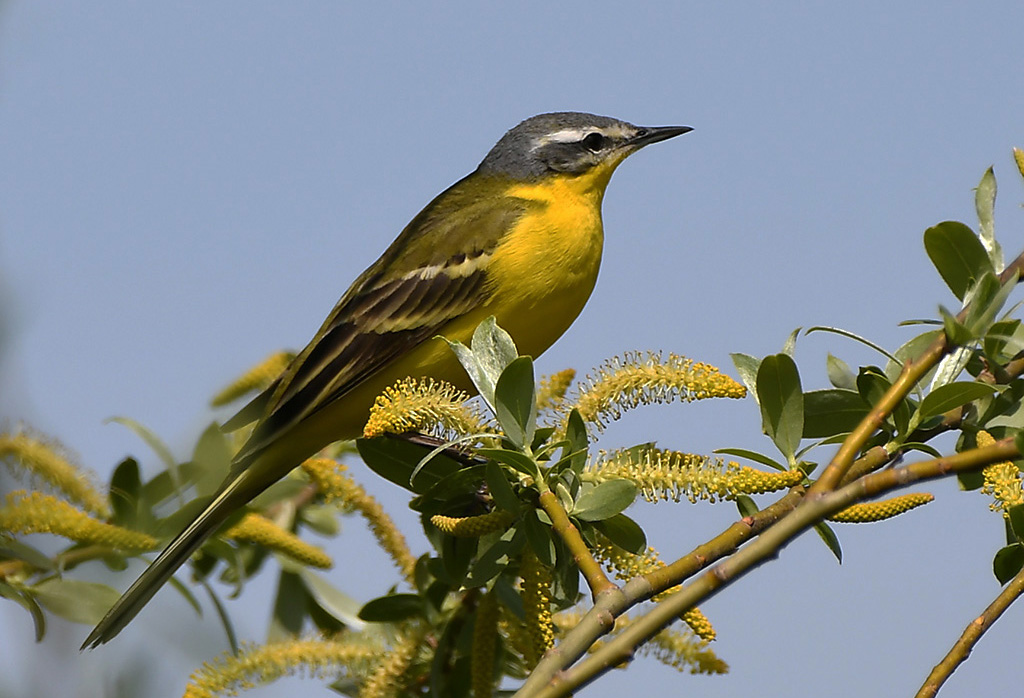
173 557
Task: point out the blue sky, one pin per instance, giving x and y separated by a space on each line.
188 187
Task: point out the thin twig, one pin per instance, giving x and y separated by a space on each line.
961 649
589 566
621 647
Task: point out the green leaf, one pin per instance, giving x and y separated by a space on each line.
984 204
462 483
539 536
782 402
872 386
492 349
1016 516
158 447
850 335
605 500
392 608
76 600
457 555
514 459
290 607
830 539
747 366
515 405
1008 562
623 532
501 489
752 455
985 300
957 333
1004 336
952 395
957 254
396 459
493 560
910 351
831 412
746 505
578 441
26 601
839 373
335 602
213 455
12 548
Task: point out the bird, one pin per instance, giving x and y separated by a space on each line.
520 239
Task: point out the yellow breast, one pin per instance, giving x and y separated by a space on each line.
543 271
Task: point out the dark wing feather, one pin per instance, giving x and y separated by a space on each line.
403 299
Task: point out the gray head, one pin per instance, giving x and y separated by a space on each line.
569 143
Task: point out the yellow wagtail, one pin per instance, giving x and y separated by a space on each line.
520 239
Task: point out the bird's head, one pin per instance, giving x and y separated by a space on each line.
569 143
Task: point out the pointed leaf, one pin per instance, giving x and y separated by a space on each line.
1008 562
331 599
1016 518
984 204
396 459
752 455
953 395
501 489
782 402
491 350
831 412
624 532
515 405
392 608
493 560
828 536
839 373
957 254
76 600
605 500
747 366
746 505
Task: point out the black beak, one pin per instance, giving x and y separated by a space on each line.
653 134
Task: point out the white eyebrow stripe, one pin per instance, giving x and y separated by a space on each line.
568 135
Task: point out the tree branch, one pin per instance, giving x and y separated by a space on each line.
961 649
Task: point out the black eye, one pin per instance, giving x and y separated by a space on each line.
594 142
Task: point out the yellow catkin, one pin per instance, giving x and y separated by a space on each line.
473 526
260 530
682 652
335 484
485 645
256 378
36 512
869 512
327 475
385 681
257 665
645 378
699 624
421 405
551 389
680 649
672 475
626 565
536 593
1002 480
50 463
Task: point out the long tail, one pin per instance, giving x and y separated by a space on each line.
232 494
